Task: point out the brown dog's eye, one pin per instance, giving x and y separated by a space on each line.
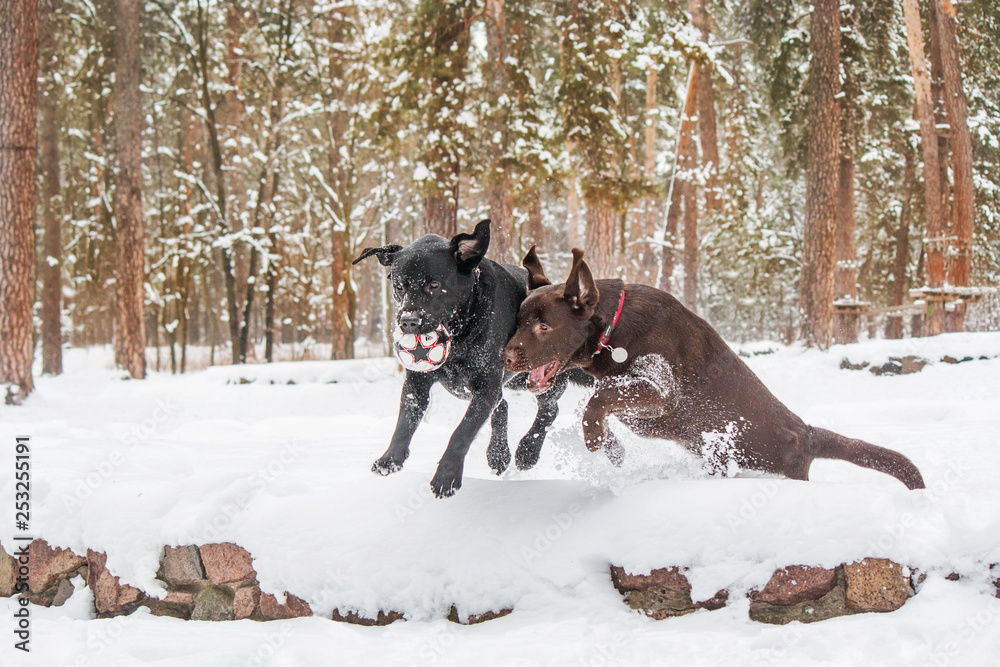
543 326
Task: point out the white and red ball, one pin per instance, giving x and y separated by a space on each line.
422 352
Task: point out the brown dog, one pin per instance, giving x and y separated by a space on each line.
665 373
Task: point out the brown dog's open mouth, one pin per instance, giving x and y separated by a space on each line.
540 379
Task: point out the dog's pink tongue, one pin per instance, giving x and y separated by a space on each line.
537 376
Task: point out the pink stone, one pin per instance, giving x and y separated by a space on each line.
797 583
246 601
294 607
48 565
110 596
227 563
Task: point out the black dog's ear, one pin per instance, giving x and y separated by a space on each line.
384 254
581 290
469 249
536 275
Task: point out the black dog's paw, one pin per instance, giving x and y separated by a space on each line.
447 480
614 451
386 466
498 456
528 451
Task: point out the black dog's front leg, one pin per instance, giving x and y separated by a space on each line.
448 478
530 447
412 405
498 453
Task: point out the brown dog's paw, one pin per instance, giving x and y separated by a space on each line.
594 444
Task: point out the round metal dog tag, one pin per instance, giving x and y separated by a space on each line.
619 354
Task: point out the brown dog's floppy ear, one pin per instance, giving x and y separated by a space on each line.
581 290
384 254
536 275
469 249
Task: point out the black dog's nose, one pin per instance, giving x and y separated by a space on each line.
409 322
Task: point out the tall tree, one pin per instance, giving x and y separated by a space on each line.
707 125
816 282
497 181
50 266
130 332
689 195
936 224
642 259
344 296
685 146
18 117
961 148
894 326
845 272
590 92
936 220
445 34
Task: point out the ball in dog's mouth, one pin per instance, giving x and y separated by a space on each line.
540 378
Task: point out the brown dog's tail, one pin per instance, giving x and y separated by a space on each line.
830 445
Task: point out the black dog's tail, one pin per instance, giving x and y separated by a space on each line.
830 445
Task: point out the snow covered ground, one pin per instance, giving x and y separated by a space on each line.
282 469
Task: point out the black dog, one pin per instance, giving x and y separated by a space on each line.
436 281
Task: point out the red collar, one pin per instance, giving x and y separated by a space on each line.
602 344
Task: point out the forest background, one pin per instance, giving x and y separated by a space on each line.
200 174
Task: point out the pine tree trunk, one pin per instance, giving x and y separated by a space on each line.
961 153
944 143
449 27
536 230
441 210
498 187
816 282
641 255
130 339
602 227
669 256
50 266
572 206
936 225
846 273
894 327
707 125
271 280
690 196
345 300
18 116
218 173
845 269
684 147
185 275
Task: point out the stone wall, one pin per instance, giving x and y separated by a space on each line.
217 582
